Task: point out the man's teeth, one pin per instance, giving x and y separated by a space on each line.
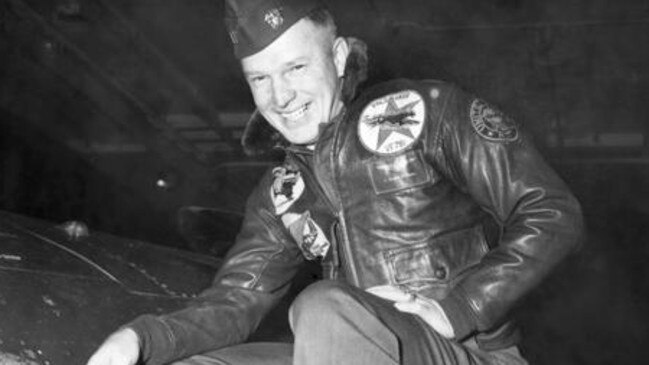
296 114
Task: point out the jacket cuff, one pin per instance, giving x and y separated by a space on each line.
460 315
156 340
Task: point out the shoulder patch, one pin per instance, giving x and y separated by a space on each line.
287 187
491 124
392 123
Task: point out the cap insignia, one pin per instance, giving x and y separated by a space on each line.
273 18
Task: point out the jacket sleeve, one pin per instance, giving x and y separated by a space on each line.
256 273
490 158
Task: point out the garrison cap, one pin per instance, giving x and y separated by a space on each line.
254 24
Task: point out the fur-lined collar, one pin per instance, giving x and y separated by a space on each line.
259 137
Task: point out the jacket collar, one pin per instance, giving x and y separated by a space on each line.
259 137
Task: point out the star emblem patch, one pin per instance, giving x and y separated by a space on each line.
392 123
491 123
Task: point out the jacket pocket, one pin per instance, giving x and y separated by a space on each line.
431 267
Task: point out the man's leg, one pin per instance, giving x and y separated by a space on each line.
259 353
332 327
335 323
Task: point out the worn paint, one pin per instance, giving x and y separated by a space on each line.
149 276
48 301
26 356
52 304
7 234
155 280
10 257
12 359
75 230
44 315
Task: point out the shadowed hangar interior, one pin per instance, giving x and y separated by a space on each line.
118 113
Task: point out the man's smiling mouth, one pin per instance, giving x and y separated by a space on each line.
297 114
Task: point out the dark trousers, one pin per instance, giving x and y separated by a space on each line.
335 323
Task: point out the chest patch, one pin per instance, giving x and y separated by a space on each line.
287 187
394 173
392 123
491 123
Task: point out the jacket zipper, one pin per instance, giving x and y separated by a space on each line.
313 181
338 212
349 258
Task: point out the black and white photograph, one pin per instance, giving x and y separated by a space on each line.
324 182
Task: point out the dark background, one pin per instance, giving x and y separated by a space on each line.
101 101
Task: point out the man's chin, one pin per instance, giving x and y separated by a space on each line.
304 133
305 141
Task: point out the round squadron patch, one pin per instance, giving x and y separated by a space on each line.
491 123
287 187
392 123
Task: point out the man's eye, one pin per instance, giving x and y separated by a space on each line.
257 79
297 68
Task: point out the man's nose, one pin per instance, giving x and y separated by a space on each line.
283 92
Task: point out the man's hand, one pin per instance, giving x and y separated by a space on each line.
120 348
427 309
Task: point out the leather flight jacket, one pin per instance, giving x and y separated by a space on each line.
416 184
438 192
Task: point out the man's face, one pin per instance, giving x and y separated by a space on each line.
295 81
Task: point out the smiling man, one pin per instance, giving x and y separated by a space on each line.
296 89
431 214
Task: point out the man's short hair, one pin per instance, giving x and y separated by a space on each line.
322 17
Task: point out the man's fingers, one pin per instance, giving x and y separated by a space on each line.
391 293
100 358
431 312
411 306
109 357
120 348
428 310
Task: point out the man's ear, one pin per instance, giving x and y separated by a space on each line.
340 53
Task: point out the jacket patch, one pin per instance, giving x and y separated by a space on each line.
393 173
287 187
309 236
491 123
392 123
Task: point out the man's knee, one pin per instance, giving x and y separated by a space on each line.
323 299
333 320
